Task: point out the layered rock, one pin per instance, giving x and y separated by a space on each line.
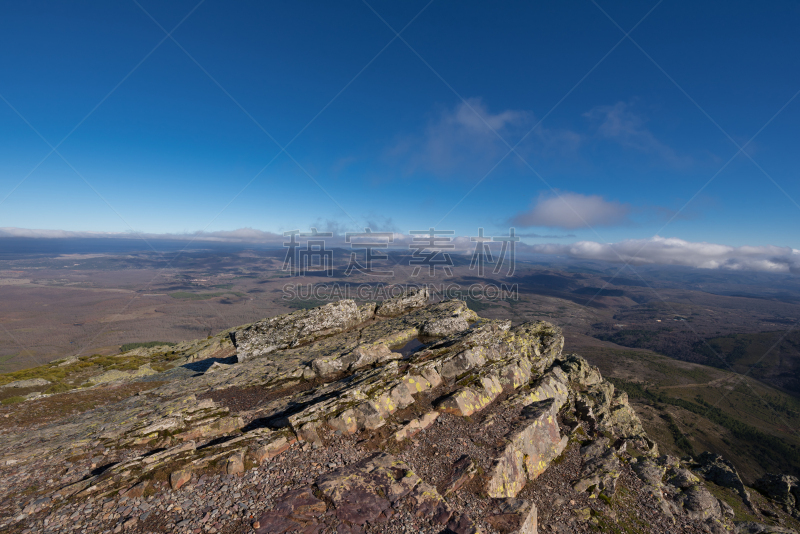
298 328
339 372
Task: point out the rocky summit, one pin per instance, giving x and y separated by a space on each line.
402 416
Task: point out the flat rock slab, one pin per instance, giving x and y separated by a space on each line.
532 445
463 470
300 327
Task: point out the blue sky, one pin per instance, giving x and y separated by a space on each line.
614 139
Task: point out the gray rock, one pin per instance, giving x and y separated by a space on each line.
30 383
298 328
699 503
604 408
750 527
580 372
600 469
682 478
720 471
410 299
783 489
517 516
649 471
444 327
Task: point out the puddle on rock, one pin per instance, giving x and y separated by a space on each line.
410 347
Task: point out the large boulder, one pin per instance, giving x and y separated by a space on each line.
783 489
699 504
720 471
299 328
410 299
538 341
531 446
599 470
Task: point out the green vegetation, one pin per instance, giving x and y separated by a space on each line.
740 511
680 439
769 447
760 354
12 400
60 387
630 338
654 368
66 375
147 344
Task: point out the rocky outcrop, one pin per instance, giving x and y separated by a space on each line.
299 328
408 300
531 447
783 489
600 468
598 402
720 471
30 383
340 427
462 471
516 516
415 426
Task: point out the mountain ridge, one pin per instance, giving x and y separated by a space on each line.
464 434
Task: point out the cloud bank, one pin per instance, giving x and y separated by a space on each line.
674 251
654 251
571 211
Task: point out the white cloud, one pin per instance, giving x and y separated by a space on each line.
464 140
621 125
463 137
674 251
571 211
